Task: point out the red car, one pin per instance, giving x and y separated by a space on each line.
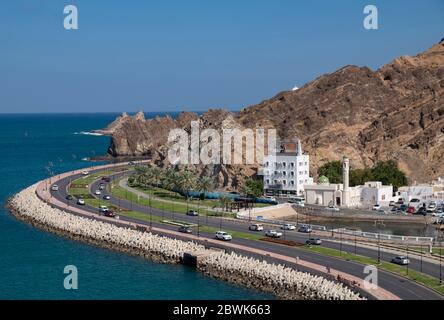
411 210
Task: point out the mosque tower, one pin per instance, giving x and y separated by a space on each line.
346 181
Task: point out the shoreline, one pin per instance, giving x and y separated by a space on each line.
209 265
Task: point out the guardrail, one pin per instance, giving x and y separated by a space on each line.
382 236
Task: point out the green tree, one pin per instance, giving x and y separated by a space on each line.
256 187
332 170
388 173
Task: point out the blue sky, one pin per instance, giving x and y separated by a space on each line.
168 55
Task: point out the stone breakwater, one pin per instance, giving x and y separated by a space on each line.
284 282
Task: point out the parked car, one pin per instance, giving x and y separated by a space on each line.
81 202
192 213
97 192
288 226
332 208
106 179
376 207
55 187
392 204
401 260
185 229
403 207
305 229
273 234
101 187
222 235
432 207
69 197
314 241
414 203
106 197
421 211
256 227
411 210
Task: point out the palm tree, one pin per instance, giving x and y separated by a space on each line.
204 184
187 182
157 175
171 182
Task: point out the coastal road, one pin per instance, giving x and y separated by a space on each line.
402 287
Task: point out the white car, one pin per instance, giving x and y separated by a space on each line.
376 207
55 188
402 261
432 207
103 208
222 235
85 173
332 208
288 226
98 193
273 234
256 227
81 202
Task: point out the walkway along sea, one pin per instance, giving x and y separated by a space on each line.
283 281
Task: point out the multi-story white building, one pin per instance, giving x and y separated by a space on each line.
287 171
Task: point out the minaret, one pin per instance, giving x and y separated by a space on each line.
346 181
299 151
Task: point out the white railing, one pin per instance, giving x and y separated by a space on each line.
382 236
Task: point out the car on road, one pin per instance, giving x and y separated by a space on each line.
222 235
256 227
376 207
273 234
69 197
106 179
314 241
288 226
103 208
102 187
85 173
97 192
80 202
192 213
332 208
185 229
55 187
305 229
106 197
131 163
109 214
401 260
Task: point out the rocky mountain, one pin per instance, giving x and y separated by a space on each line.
396 112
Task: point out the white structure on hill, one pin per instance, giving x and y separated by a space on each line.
287 170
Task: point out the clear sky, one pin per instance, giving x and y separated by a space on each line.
167 55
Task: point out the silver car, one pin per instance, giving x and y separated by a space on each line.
401 260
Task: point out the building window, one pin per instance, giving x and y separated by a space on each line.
301 181
276 172
300 163
267 181
284 164
306 163
292 182
284 182
267 164
292 173
284 173
306 172
292 164
276 182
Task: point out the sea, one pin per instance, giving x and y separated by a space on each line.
32 262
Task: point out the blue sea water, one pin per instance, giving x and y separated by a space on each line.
32 261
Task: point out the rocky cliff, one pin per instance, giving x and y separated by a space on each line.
396 112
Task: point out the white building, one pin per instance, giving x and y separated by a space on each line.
286 171
342 195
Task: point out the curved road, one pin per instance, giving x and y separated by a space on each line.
400 286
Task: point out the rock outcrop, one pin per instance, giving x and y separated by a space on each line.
396 112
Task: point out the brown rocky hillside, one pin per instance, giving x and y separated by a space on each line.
396 112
